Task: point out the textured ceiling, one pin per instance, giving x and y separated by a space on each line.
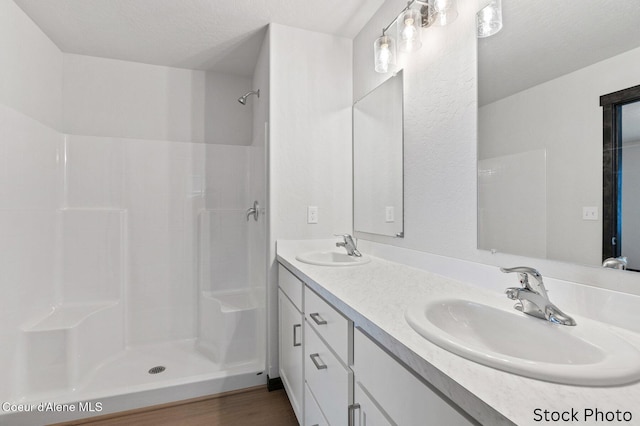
545 39
221 35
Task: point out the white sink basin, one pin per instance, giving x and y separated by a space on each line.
586 354
331 258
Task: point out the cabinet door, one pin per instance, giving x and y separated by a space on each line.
404 398
291 367
365 412
312 413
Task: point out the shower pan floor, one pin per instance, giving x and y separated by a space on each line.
182 361
188 373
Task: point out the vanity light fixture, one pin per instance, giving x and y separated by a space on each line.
385 53
410 22
489 19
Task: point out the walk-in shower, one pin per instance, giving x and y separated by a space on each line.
243 99
130 274
156 293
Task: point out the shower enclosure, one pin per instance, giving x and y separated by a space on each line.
132 273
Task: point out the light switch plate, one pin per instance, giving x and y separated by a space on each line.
312 214
390 214
590 213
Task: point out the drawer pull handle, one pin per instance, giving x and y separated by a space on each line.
317 319
319 365
352 414
295 335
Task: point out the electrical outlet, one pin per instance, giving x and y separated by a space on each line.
312 214
590 213
390 214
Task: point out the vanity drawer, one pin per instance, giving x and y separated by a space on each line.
291 286
329 381
312 414
329 323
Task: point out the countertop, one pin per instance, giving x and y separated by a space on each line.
375 295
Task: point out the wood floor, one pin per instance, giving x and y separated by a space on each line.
255 406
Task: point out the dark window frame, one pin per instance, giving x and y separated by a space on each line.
611 162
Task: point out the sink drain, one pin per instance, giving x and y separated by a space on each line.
157 369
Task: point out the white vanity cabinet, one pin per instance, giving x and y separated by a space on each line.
336 375
388 393
328 339
291 325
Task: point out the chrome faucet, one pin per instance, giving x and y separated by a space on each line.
349 245
615 263
532 297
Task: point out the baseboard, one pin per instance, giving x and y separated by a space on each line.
274 383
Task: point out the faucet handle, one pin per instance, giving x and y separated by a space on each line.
523 269
523 276
347 237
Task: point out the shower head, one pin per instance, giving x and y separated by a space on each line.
243 99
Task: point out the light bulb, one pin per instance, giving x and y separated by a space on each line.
384 55
442 12
409 31
440 5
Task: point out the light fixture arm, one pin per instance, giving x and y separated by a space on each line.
408 6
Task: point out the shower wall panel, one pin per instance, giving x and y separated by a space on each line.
28 198
164 187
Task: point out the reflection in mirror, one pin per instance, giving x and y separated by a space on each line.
540 125
621 170
377 160
630 184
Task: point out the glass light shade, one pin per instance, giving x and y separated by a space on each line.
409 26
489 19
442 12
384 53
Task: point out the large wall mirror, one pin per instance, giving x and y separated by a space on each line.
378 160
540 130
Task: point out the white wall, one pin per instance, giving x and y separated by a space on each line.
440 130
570 130
258 187
309 143
30 100
30 68
113 98
440 147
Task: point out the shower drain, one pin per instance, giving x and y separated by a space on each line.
157 369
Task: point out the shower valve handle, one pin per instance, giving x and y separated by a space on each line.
254 211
